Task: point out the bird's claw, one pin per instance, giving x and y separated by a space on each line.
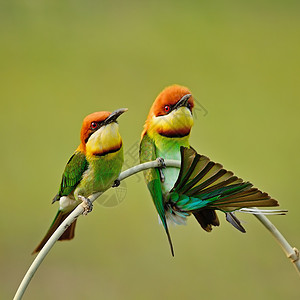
116 183
86 204
161 165
161 162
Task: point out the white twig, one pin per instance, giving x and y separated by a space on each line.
41 255
254 210
291 253
73 216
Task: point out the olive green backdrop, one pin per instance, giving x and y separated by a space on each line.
61 60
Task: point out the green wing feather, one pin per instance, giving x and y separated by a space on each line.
152 178
72 175
203 184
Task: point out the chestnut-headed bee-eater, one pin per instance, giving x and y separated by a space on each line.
92 168
200 186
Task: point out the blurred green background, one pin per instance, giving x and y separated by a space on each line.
61 60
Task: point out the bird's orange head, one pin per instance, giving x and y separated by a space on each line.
100 133
171 113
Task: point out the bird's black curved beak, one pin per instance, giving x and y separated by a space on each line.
183 101
114 115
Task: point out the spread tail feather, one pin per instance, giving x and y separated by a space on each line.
203 186
67 235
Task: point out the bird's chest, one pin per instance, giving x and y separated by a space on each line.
100 174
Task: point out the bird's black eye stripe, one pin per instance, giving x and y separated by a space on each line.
169 108
96 125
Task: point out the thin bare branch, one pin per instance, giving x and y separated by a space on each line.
291 252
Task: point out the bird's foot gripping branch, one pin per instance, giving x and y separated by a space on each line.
86 204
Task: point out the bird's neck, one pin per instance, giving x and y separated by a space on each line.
169 145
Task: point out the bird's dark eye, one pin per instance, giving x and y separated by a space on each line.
94 125
167 108
189 105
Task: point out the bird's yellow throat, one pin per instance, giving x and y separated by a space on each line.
105 140
178 123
